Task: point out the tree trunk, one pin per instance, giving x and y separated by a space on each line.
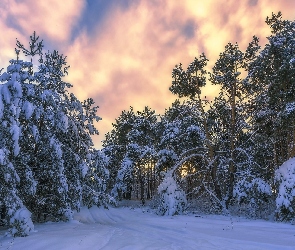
211 152
232 168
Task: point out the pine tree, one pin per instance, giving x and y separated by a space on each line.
272 72
13 172
229 110
188 84
96 179
285 200
115 143
136 170
46 145
182 134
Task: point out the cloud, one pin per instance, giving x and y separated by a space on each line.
122 52
95 13
189 29
128 58
53 19
252 2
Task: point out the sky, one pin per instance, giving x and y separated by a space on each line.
122 52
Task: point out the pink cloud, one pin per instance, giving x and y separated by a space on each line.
54 19
128 59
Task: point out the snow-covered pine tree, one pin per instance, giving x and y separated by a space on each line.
272 74
181 127
95 185
285 200
189 84
172 197
182 134
46 144
136 170
13 172
115 143
272 77
229 110
64 126
125 175
143 134
253 195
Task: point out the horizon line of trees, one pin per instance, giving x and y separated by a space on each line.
222 154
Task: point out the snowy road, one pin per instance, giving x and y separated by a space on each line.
125 228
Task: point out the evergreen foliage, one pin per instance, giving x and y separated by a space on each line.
172 197
285 201
137 144
222 155
48 163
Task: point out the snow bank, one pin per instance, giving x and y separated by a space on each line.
285 202
252 190
93 215
21 223
172 197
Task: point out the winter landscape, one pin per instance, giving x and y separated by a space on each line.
210 171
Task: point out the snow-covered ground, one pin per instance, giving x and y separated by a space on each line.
127 228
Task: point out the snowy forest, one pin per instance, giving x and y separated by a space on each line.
229 155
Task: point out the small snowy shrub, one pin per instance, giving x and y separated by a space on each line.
21 224
285 202
253 194
172 197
